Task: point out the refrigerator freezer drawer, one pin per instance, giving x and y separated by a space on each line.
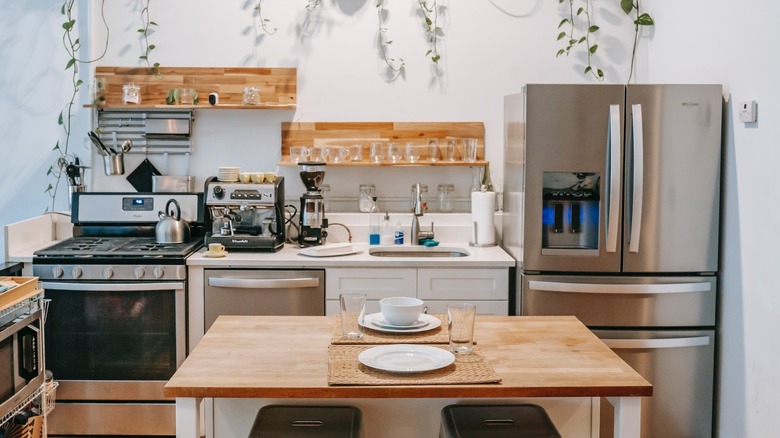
680 365
603 301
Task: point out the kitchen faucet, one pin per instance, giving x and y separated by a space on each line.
418 209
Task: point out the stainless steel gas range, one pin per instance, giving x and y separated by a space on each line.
116 328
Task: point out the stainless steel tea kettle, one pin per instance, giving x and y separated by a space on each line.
171 228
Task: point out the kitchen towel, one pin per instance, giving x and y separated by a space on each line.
482 213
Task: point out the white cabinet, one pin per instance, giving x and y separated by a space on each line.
488 288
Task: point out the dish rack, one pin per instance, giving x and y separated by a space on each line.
40 403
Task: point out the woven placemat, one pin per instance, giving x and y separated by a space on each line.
439 335
345 369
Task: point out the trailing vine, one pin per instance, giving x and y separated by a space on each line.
395 65
573 39
72 44
144 31
432 30
265 22
313 5
642 19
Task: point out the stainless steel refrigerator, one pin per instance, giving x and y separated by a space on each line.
612 207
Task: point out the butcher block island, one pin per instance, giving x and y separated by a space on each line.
250 361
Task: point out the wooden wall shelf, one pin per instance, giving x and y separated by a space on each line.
365 133
277 86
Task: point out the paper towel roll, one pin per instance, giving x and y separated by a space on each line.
482 212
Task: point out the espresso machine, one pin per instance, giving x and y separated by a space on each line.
312 214
245 216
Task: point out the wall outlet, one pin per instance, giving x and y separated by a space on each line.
747 111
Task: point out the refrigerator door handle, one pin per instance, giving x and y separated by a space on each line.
638 159
622 289
636 344
613 217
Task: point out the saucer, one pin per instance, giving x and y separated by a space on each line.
213 254
425 323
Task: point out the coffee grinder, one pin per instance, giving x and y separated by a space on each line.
312 214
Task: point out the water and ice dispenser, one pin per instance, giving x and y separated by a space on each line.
570 215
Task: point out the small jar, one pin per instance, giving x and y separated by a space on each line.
131 93
445 197
367 193
423 191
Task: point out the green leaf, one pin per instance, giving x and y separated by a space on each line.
49 172
593 28
48 188
600 73
70 63
79 82
587 69
436 58
62 9
156 65
572 42
644 20
142 57
141 30
560 52
581 40
593 48
56 146
627 6
428 52
580 10
428 21
564 21
152 46
152 23
389 42
561 36
59 121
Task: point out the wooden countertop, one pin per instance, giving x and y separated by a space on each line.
287 357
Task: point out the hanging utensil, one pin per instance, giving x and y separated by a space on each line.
99 143
127 145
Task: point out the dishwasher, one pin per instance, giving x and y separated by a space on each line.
299 292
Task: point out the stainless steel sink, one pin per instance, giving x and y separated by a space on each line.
418 251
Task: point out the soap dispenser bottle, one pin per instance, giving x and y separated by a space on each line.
373 224
387 231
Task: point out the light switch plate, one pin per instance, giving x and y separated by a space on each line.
747 111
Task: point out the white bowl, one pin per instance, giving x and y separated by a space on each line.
401 311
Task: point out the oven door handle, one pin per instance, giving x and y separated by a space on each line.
264 283
113 287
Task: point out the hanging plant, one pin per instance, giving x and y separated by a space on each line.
432 30
395 65
313 5
264 22
572 38
641 19
582 19
72 45
145 31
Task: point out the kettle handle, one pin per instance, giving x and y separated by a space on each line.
178 209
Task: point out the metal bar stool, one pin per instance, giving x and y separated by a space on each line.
281 421
496 421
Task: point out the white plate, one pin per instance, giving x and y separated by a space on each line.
406 358
375 321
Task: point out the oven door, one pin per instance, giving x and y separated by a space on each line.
113 346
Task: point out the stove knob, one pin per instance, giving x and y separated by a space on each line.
158 272
139 272
76 272
108 272
57 271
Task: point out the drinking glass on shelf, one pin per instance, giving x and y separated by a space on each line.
299 153
337 154
433 150
470 149
412 152
394 153
448 151
319 153
251 95
187 96
377 152
355 152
